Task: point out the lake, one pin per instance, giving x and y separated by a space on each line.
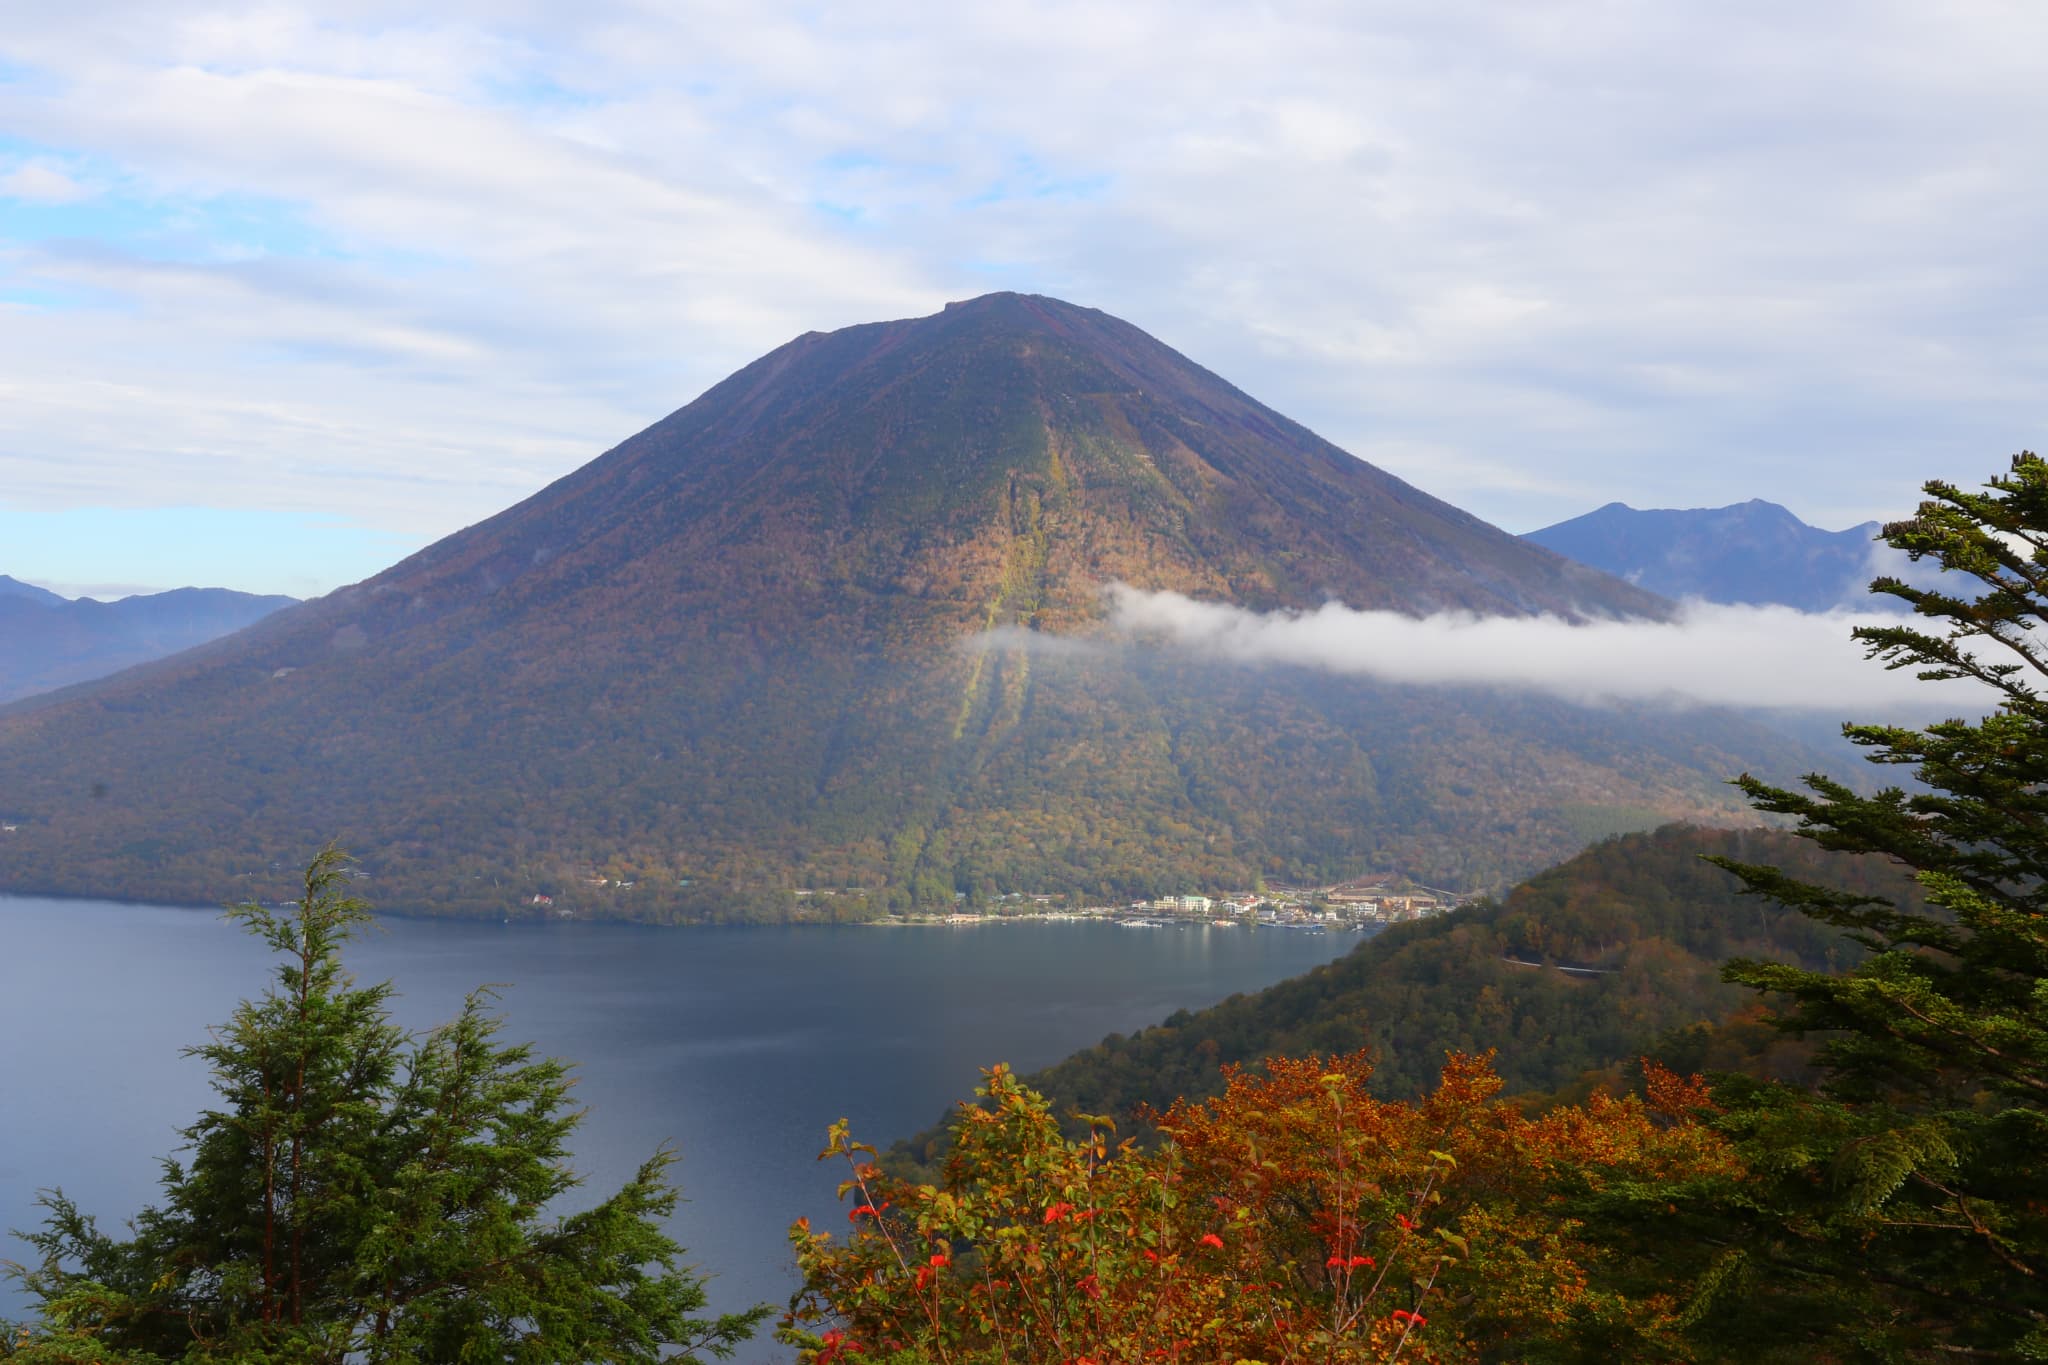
737 1045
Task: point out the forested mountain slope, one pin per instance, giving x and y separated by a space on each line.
1643 920
737 654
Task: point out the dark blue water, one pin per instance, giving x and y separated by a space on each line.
738 1045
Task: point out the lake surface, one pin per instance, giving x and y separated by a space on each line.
738 1045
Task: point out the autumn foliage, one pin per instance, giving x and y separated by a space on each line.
1294 1218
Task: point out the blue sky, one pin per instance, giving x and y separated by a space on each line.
114 551
287 290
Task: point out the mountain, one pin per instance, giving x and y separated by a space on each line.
15 589
53 641
1613 954
1752 552
747 651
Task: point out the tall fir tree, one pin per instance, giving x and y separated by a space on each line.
1906 1206
360 1194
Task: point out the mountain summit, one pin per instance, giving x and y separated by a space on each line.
736 654
1753 553
1003 458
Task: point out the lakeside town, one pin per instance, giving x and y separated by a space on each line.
1363 902
1356 904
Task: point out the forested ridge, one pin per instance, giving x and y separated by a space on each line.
1644 921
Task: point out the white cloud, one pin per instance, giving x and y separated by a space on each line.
38 182
1771 657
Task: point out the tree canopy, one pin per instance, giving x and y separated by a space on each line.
1293 1217
362 1194
1912 1192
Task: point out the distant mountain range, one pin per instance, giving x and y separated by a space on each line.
52 641
1752 552
749 650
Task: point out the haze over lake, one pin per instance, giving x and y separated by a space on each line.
739 1045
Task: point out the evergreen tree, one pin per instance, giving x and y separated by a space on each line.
1908 1205
361 1194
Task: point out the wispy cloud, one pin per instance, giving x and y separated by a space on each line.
38 182
1770 657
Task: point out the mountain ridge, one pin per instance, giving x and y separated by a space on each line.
29 592
1747 553
55 642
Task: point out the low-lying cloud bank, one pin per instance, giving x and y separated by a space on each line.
1710 655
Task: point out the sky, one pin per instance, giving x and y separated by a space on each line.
289 290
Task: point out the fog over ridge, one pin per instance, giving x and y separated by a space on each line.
1708 655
